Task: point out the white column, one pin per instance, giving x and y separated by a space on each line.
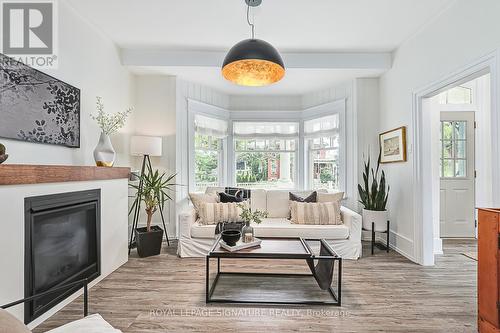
284 166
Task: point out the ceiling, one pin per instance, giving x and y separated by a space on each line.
290 25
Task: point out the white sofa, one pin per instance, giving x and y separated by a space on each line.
196 239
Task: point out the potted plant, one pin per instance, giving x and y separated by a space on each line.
104 153
153 193
373 195
248 217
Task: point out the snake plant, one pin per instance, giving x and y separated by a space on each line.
373 196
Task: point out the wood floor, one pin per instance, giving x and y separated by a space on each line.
381 293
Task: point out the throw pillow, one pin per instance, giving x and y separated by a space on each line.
199 198
332 197
224 197
213 213
10 324
319 213
313 197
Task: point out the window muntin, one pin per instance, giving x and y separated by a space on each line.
265 163
453 146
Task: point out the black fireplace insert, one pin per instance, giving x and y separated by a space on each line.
62 245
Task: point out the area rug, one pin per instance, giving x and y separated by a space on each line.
472 255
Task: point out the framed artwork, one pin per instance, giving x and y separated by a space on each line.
37 107
393 145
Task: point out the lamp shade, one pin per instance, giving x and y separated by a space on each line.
253 62
145 145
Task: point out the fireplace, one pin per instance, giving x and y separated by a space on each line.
62 244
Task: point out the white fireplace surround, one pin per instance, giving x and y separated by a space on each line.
114 222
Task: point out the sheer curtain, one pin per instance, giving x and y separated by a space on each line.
214 127
265 129
323 126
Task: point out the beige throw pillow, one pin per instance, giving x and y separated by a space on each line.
335 198
199 198
319 213
213 213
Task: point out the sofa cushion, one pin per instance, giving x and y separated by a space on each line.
225 198
281 228
258 200
278 204
90 324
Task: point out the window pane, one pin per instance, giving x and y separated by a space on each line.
290 145
447 149
448 168
460 169
459 95
260 144
325 169
447 130
460 145
441 168
206 169
272 170
240 145
460 130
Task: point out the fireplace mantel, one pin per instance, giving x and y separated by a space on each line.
17 174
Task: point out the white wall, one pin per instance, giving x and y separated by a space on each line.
265 103
89 61
465 32
155 115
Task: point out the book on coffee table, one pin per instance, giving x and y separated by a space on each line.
240 245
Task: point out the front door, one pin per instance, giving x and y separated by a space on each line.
457 211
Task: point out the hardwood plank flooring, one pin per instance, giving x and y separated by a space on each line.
381 293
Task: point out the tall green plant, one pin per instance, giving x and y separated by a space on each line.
153 193
373 196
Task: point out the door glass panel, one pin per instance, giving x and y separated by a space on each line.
448 168
447 149
460 168
460 145
447 130
460 129
453 140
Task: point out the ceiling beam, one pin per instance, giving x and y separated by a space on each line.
331 60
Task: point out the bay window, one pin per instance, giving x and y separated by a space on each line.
209 136
265 154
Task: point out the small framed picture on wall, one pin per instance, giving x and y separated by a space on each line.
393 145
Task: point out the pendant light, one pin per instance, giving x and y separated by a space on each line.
253 62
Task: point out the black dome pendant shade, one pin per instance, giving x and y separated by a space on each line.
253 62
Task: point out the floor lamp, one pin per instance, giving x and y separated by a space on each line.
144 146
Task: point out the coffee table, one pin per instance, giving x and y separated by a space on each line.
322 264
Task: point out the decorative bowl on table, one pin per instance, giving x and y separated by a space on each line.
230 237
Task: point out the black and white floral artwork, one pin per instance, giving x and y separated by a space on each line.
36 107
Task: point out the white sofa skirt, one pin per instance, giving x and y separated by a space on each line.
195 240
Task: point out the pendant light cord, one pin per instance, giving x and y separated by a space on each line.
251 24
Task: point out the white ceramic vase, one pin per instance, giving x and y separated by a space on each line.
379 217
104 153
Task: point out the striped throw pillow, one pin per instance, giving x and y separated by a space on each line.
213 213
320 213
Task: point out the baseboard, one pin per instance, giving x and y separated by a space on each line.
399 243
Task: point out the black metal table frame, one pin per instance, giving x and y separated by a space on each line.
209 289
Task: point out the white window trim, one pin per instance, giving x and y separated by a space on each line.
336 107
194 108
301 169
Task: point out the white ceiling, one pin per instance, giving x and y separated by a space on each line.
290 25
